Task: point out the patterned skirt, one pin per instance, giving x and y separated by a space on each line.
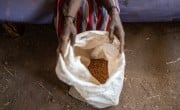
90 16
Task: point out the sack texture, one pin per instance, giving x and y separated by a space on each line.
73 68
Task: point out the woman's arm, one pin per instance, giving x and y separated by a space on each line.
110 6
69 30
73 6
115 27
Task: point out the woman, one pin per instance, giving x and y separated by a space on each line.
80 15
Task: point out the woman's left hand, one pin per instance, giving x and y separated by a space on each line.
116 28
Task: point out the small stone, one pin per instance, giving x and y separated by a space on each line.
168 71
67 106
51 99
7 104
147 38
6 63
87 104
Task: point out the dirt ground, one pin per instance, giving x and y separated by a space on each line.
28 80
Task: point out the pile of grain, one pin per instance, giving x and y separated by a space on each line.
99 69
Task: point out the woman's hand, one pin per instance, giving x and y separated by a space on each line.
69 31
68 35
116 28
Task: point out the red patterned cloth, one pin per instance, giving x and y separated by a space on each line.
91 16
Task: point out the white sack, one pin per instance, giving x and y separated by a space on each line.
72 69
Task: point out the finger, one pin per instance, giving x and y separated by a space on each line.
58 48
64 43
73 37
121 44
120 35
121 48
111 34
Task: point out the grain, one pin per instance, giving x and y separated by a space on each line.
99 69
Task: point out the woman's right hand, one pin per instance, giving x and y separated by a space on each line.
68 35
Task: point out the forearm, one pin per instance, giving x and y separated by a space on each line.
110 6
73 6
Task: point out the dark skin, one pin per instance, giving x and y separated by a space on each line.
69 32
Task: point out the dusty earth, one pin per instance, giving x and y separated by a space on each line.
152 78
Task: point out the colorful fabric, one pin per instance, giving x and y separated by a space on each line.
91 16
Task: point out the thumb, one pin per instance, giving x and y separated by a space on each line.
63 44
111 34
121 48
73 37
